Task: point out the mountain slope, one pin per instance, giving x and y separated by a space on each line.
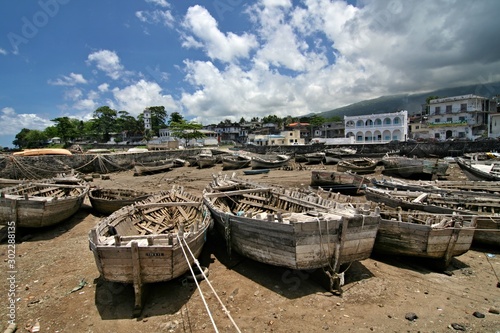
410 102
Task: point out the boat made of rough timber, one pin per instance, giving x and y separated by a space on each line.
414 167
157 239
344 182
419 234
334 155
361 166
107 201
235 161
480 170
484 205
41 203
437 237
292 229
146 168
43 151
315 158
269 162
205 159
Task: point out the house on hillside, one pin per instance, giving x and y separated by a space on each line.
459 117
377 128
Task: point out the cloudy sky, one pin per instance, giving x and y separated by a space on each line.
227 59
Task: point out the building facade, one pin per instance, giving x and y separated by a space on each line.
460 117
377 128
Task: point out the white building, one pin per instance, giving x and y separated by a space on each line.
464 117
147 120
377 128
285 138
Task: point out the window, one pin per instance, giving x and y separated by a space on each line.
387 121
463 107
448 108
360 123
397 121
437 110
437 120
378 122
449 120
462 119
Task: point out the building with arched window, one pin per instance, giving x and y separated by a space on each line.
377 128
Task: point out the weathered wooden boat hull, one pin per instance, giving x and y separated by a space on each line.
423 241
107 201
344 182
206 162
484 210
153 167
41 204
361 167
298 242
43 151
412 167
474 173
151 240
315 158
258 162
232 163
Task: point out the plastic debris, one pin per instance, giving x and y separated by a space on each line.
82 284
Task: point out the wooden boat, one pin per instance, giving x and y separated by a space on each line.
292 229
269 162
414 167
107 201
235 161
480 170
437 186
425 235
153 167
334 155
43 151
256 171
315 158
205 159
40 203
438 237
485 206
344 182
150 241
360 166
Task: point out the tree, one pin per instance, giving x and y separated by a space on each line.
175 117
242 120
186 130
128 124
65 129
27 138
104 122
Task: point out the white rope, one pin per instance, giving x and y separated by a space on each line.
225 310
197 284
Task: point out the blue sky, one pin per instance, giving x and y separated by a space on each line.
227 59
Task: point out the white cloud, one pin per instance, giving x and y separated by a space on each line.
69 80
103 87
161 3
217 45
138 96
18 121
108 62
2 51
157 16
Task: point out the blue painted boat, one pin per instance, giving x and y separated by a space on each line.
255 171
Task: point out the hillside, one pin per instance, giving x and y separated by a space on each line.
411 102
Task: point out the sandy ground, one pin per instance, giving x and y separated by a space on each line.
53 263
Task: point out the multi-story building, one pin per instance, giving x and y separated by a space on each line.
285 138
461 117
147 120
377 128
